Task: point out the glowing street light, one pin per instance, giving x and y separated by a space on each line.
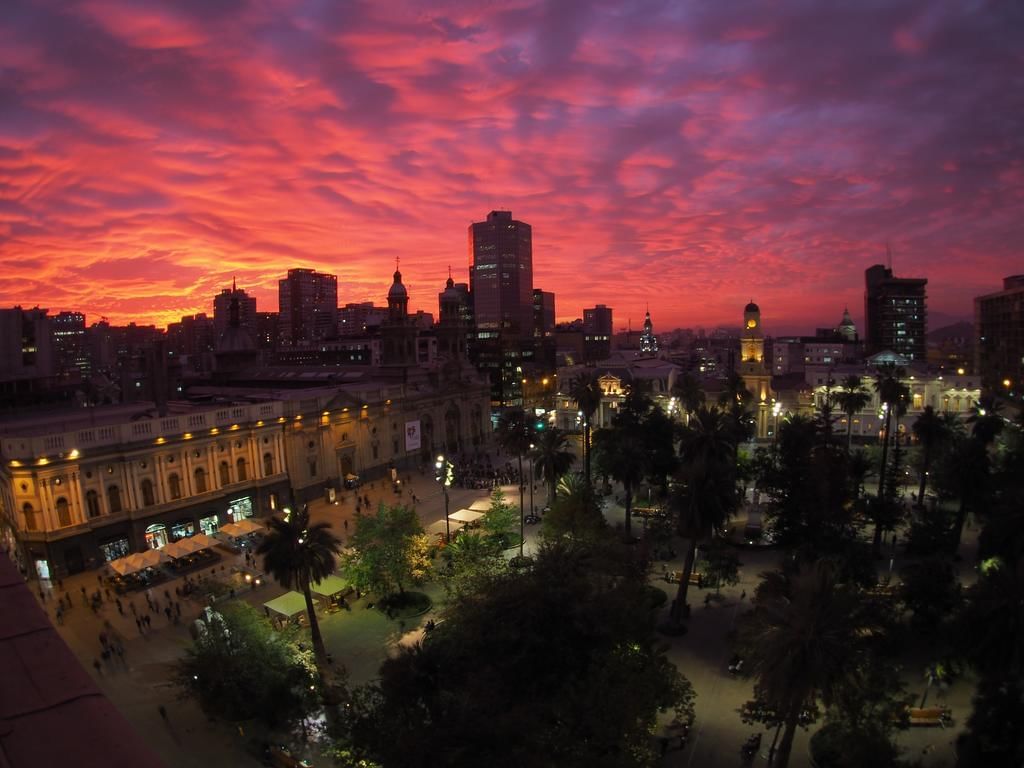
444 474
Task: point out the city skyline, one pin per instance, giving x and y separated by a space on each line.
149 154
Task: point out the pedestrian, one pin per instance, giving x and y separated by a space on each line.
177 608
67 599
42 595
120 608
138 624
131 607
743 595
707 600
106 591
163 713
167 595
346 524
97 666
147 621
167 612
60 584
60 615
103 640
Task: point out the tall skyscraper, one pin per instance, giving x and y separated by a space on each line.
222 310
543 313
501 274
308 303
69 346
895 313
999 342
597 333
501 287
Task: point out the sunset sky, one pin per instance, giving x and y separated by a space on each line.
689 155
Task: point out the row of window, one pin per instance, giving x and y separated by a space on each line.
174 487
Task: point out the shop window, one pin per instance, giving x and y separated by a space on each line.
200 480
174 486
148 498
268 464
115 548
225 473
241 469
156 536
30 517
63 512
114 499
239 509
182 530
208 525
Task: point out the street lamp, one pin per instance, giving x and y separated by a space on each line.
444 475
776 410
533 511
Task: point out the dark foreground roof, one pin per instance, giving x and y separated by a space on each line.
51 711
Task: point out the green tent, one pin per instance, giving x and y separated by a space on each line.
289 604
331 586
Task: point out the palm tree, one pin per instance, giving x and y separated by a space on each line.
893 395
733 400
551 458
804 640
515 435
624 448
576 513
930 431
586 392
986 421
690 394
299 555
708 487
852 398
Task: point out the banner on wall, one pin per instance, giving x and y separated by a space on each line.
412 435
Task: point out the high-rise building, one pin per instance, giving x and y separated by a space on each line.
501 287
543 313
69 348
308 308
999 344
895 313
501 274
597 333
222 310
265 334
193 339
26 354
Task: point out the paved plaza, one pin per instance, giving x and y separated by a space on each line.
361 638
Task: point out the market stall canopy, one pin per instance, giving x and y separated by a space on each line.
122 566
437 529
466 515
332 585
179 548
241 528
140 561
201 541
288 605
481 505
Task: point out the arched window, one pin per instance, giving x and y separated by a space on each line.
200 480
268 464
63 512
114 499
148 499
92 503
174 486
225 473
240 464
30 517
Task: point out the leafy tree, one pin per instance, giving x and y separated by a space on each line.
722 565
500 519
299 555
241 668
556 665
551 458
966 475
472 561
893 394
805 639
735 400
586 393
389 551
931 432
690 393
706 492
515 435
930 589
994 738
852 397
576 514
992 622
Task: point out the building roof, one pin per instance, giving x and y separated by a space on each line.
51 710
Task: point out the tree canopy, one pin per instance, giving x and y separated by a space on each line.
389 551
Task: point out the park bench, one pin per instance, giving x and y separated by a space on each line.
674 577
928 716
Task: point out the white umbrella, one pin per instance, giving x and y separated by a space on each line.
179 548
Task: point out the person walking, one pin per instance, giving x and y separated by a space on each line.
138 624
163 713
98 667
120 607
131 607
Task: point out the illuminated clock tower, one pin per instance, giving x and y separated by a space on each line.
756 375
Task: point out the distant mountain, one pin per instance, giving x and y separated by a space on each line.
962 331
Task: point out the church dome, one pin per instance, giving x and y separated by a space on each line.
752 307
397 289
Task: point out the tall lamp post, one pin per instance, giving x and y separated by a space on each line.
444 475
776 410
533 510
